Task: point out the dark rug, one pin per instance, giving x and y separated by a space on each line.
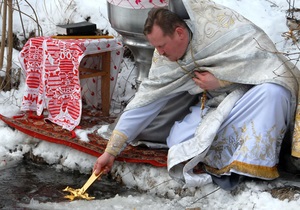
38 127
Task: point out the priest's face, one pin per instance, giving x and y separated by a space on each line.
173 47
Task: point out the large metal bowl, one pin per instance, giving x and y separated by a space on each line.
130 24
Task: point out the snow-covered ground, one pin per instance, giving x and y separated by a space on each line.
159 190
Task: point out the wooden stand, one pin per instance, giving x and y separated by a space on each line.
103 70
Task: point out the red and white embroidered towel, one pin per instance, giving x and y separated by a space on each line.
52 77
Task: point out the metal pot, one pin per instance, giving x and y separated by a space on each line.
130 24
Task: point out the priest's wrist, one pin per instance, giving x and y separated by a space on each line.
116 143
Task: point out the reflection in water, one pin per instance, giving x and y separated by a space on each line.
27 180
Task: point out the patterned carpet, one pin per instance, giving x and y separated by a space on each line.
38 127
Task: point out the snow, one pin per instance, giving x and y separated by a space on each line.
160 192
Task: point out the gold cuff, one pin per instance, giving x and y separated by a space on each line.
116 143
224 83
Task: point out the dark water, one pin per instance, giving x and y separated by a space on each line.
28 180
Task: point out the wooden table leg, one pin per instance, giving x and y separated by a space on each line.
105 83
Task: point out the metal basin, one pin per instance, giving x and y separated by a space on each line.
130 24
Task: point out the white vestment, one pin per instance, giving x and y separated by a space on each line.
233 49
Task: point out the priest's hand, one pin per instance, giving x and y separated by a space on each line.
104 163
206 80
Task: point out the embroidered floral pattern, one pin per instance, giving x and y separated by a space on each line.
226 154
296 137
139 4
